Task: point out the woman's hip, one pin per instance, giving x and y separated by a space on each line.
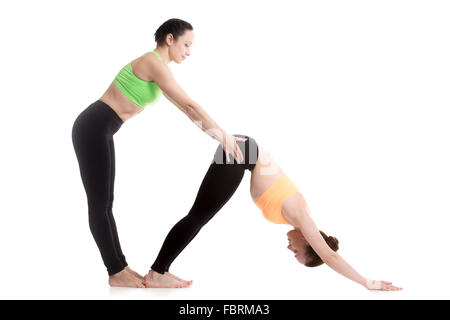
97 118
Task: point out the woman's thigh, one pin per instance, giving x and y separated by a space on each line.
94 156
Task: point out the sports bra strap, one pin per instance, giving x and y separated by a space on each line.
159 57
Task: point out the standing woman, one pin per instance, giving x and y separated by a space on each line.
137 85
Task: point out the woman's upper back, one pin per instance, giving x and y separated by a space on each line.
132 80
119 101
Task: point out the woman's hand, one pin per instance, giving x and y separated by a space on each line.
381 285
229 145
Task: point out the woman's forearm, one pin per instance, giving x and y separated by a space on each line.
199 116
338 264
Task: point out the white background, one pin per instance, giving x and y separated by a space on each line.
350 97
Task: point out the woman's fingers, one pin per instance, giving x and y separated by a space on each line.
381 285
241 156
238 156
388 287
236 151
234 154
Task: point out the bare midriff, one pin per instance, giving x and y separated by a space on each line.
264 174
120 103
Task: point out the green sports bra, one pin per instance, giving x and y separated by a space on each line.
139 91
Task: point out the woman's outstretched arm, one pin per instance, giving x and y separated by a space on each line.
165 80
299 217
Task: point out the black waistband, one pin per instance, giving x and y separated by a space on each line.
114 115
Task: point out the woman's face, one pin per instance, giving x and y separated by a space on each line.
180 49
298 245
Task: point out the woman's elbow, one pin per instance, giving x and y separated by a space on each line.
191 105
329 257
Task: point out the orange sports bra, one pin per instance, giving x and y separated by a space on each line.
271 201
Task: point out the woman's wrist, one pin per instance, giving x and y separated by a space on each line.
373 284
217 134
364 284
222 136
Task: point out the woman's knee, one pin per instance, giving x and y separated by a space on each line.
199 218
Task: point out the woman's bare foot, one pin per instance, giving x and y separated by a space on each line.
134 273
125 279
154 279
167 273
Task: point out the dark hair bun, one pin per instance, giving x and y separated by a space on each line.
313 259
333 243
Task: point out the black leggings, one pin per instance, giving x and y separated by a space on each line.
219 184
92 137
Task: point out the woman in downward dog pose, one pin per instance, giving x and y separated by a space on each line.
280 202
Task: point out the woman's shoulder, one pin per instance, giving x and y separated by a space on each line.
148 66
151 57
152 62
